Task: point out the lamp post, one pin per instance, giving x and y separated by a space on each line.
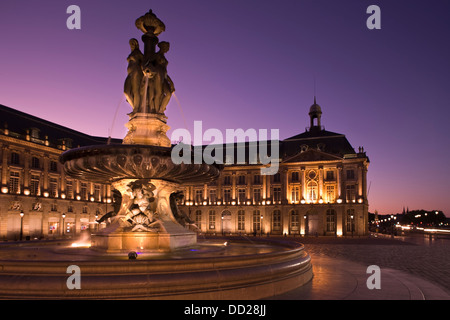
63 224
260 225
21 224
353 224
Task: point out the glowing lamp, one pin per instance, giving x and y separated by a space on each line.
303 201
339 200
26 192
4 189
205 203
46 194
320 200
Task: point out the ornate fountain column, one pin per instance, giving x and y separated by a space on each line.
145 215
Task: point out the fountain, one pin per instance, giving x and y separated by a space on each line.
144 251
141 168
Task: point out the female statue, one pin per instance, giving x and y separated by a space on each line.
133 81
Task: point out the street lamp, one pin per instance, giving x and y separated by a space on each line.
21 224
63 224
261 226
353 224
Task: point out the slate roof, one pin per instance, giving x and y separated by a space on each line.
18 123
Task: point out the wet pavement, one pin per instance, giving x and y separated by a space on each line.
411 268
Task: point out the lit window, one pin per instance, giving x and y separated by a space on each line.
312 191
14 179
241 220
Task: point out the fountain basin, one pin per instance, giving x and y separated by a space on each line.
209 270
109 163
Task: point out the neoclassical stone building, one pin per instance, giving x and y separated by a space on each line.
319 189
36 199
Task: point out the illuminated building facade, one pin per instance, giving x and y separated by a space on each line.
36 199
319 189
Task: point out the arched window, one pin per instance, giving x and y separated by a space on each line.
256 221
212 219
312 191
331 220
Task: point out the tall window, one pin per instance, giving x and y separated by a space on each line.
14 182
212 196
227 180
257 179
295 194
276 220
257 195
295 221
34 185
241 179
256 221
15 158
295 176
331 220
330 176
227 195
350 193
212 219
69 189
241 220
53 187
276 177
312 191
330 195
97 192
276 194
35 164
198 219
350 174
53 166
199 196
241 196
83 190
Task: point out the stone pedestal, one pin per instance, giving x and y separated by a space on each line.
174 238
160 233
148 129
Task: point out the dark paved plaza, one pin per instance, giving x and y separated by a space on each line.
412 268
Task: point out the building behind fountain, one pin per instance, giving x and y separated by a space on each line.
320 187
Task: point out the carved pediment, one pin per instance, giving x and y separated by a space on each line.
311 155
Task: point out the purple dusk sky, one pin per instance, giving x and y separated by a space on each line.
252 64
